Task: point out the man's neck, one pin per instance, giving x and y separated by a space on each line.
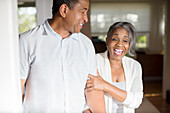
57 26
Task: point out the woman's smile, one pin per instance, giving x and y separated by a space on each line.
118 51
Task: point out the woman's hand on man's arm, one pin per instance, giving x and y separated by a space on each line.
94 97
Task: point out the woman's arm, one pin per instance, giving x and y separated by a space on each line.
98 83
135 94
132 98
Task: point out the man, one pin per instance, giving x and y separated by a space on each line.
56 60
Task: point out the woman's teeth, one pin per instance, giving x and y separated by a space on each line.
81 24
118 51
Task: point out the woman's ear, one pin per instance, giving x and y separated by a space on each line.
63 10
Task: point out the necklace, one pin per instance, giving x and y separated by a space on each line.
115 67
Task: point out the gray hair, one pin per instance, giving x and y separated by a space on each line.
132 34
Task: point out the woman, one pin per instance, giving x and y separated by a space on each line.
120 77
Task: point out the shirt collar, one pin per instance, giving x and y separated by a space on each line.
106 55
50 31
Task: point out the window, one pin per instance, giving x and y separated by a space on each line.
104 14
26 16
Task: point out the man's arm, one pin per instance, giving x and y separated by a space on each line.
95 101
22 85
87 111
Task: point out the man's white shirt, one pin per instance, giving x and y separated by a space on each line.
56 70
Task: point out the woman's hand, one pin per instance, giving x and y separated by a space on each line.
95 83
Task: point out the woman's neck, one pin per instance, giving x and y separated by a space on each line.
115 64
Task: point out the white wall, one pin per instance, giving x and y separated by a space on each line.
10 89
44 10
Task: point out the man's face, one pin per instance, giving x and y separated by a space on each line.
77 16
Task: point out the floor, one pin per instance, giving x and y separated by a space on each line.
146 107
153 93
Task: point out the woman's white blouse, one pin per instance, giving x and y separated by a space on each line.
133 78
117 106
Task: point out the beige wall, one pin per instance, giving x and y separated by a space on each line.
156 34
166 74
86 28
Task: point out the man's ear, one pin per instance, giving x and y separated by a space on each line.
63 10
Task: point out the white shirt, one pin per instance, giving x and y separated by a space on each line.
56 70
117 106
133 77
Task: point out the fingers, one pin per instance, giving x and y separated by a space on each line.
91 76
89 81
89 89
98 73
91 84
88 85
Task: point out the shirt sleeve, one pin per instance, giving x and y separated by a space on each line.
92 66
24 58
135 95
86 107
91 63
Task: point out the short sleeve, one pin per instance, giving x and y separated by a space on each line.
24 57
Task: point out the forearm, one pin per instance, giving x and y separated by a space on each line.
115 92
95 101
135 94
87 111
22 85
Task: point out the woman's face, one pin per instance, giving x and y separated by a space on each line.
118 44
